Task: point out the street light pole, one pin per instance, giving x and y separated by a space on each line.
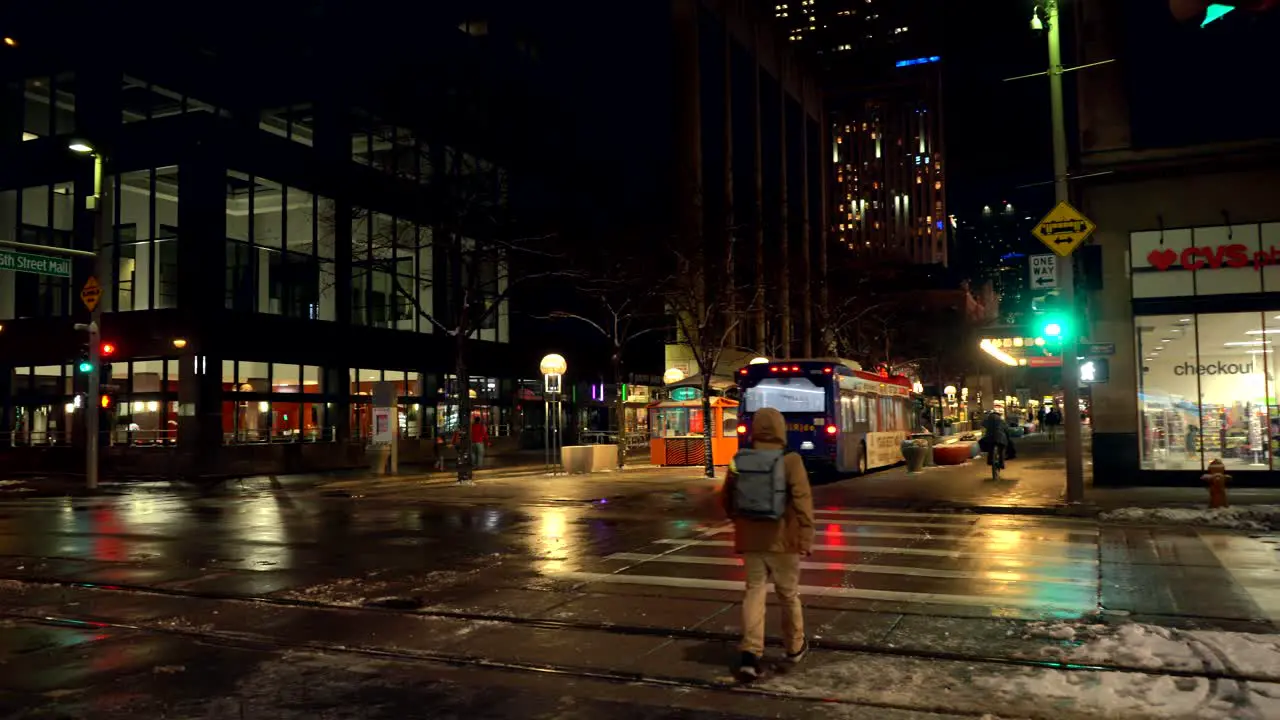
1066 270
93 407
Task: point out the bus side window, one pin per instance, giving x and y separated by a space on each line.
846 412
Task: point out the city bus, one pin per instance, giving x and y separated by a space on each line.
839 417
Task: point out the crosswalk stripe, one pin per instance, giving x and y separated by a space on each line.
889 523
1065 524
973 526
977 536
1086 601
953 517
892 550
990 575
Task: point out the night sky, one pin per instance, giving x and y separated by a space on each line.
998 135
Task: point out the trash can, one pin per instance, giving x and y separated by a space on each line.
915 450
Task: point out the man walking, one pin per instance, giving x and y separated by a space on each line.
1052 420
766 493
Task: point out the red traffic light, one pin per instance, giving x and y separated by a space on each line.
108 349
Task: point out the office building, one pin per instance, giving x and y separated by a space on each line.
705 131
880 66
282 200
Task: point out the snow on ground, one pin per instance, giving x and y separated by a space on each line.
1238 517
1151 647
359 591
1119 675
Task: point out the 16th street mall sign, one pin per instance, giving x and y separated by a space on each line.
38 264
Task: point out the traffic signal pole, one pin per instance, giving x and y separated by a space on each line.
1066 271
93 405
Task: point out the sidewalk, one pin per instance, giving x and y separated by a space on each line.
331 482
1035 482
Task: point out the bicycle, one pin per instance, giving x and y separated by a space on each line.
995 458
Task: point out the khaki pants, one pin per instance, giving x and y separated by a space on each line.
784 568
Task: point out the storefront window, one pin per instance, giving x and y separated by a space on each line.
677 422
1204 389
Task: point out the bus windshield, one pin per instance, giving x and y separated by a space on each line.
786 395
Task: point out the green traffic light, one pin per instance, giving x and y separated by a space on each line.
1215 12
1053 330
86 366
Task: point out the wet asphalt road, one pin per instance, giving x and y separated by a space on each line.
536 597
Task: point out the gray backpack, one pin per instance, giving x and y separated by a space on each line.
761 490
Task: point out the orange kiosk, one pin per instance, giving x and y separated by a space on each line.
676 432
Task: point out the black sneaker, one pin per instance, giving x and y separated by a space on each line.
798 655
748 667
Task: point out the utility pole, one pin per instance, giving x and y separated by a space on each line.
93 408
1066 269
98 203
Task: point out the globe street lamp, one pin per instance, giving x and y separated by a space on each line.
553 367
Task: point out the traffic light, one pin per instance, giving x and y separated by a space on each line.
84 366
1094 371
107 349
1055 326
105 401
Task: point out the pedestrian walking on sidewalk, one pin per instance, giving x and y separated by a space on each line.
437 457
479 439
1051 421
766 492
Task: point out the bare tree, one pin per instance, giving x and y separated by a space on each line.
707 309
471 248
623 312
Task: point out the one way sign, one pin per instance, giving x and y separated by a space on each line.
1044 272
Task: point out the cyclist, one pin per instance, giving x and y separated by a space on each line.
995 441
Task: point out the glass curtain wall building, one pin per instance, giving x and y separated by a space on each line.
271 249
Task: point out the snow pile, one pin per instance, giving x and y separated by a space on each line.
1114 672
1238 517
1147 647
1152 647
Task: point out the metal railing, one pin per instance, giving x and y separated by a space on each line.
143 438
633 440
36 438
280 437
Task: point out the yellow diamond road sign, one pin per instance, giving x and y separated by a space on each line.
1064 229
91 293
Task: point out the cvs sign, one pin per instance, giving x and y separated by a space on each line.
1212 258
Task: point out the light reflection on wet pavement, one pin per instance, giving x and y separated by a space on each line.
639 581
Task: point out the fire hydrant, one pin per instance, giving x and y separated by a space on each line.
1217 479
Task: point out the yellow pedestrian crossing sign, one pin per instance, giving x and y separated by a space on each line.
1064 229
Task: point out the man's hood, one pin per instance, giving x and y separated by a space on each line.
768 428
